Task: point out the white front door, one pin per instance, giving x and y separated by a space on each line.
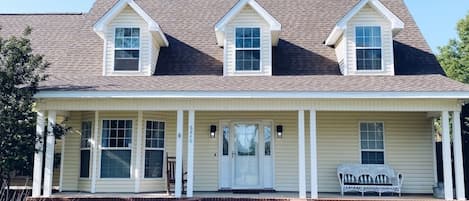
246 155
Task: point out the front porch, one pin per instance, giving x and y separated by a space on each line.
303 157
228 196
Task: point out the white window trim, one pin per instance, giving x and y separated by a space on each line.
86 148
101 148
360 141
260 51
114 28
361 48
163 176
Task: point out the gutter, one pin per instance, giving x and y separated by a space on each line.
248 95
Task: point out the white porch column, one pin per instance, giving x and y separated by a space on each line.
62 159
301 154
50 143
190 154
94 151
435 159
313 155
458 158
38 155
179 149
447 170
138 172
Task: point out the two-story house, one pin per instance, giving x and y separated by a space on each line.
248 94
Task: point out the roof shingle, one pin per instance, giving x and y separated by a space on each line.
193 61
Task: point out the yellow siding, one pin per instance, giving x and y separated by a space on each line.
370 17
248 17
72 151
407 148
129 18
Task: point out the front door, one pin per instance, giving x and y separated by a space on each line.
246 155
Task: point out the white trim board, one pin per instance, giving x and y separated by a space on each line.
250 94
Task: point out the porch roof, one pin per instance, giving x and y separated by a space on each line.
318 83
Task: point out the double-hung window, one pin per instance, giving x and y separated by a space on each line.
85 149
372 142
116 148
248 49
368 47
154 149
127 49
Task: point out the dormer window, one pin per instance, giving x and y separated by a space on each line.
368 47
248 49
363 39
127 49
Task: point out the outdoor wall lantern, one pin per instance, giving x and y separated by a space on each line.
279 131
213 129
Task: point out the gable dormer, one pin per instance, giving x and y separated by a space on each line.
247 33
132 40
363 39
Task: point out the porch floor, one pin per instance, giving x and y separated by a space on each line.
220 196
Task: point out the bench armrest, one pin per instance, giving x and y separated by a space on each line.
400 179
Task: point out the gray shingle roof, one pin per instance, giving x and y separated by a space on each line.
193 61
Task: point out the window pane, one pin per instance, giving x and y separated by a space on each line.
247 59
135 32
239 33
85 134
155 135
153 163
256 32
368 59
119 135
119 32
256 43
226 139
267 140
372 157
115 164
85 163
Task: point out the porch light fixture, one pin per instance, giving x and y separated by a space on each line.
213 129
279 131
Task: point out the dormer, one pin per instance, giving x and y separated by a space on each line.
132 40
363 39
247 33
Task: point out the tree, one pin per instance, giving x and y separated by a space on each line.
20 73
454 57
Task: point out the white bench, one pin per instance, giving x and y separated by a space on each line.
369 178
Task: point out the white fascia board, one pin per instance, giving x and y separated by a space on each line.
396 24
334 36
251 94
101 24
274 25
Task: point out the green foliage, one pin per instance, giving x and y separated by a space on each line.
20 73
454 57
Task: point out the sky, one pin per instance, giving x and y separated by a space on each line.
436 18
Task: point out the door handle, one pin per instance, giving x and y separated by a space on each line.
233 154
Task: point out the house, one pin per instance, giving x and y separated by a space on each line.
248 94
